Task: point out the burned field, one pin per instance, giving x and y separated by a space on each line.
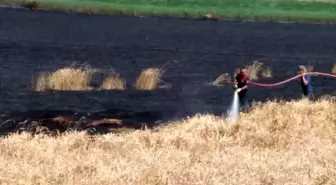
32 42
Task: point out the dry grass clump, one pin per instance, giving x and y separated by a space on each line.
66 79
43 82
77 79
333 70
221 79
310 68
267 72
276 143
256 70
149 79
114 83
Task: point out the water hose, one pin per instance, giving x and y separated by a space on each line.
290 79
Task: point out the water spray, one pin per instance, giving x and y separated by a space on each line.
234 109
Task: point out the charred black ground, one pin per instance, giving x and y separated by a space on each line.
34 41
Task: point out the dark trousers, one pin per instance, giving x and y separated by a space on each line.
308 94
242 100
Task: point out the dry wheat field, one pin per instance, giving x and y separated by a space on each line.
275 143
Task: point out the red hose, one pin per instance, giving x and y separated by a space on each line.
290 79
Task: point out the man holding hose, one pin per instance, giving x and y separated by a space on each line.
240 82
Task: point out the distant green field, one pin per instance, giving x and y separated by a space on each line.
240 9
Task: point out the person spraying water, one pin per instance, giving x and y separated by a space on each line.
240 94
241 81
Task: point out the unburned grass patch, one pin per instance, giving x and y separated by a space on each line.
333 69
256 70
313 1
42 82
149 79
222 79
81 79
78 79
66 79
114 83
267 72
276 142
287 10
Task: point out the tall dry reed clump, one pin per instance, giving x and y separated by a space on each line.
275 143
267 72
222 79
257 69
333 69
149 79
114 83
65 79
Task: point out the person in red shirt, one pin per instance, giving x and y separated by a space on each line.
241 85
